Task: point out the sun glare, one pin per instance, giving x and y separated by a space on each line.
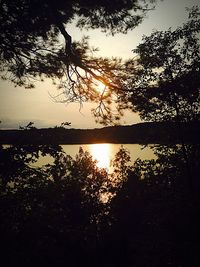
101 153
100 87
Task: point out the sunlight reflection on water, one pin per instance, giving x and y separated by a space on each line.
106 152
103 153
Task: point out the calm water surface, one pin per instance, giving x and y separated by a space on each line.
104 153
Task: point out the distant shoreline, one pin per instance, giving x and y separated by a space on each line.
141 133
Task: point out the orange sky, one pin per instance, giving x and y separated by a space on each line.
19 106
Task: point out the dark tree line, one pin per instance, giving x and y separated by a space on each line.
71 213
156 216
57 214
50 214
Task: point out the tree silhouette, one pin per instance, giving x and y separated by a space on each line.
50 214
66 123
56 213
29 126
31 46
166 82
164 78
121 166
154 216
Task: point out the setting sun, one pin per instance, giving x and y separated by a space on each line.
100 87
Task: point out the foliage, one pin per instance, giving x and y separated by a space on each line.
16 162
177 167
29 126
54 210
56 213
161 84
166 85
154 214
66 123
32 48
63 125
121 166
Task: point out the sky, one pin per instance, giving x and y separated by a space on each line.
18 106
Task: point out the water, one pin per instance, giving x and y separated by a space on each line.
104 153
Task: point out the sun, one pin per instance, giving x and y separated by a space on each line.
100 87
